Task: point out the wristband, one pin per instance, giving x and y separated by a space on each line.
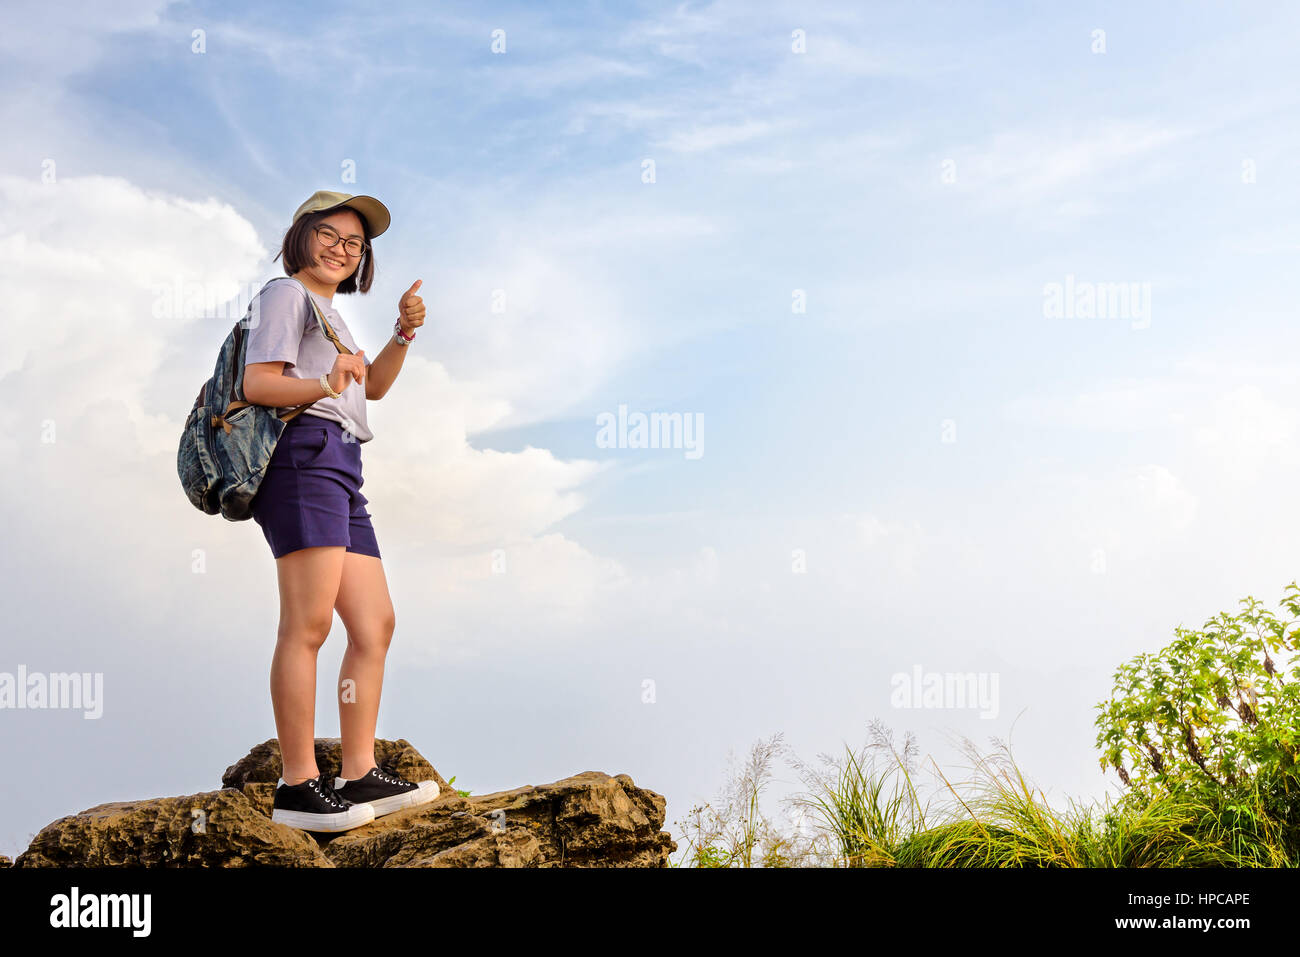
325 384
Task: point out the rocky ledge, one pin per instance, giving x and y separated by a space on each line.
587 820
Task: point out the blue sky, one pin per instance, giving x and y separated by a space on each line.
919 175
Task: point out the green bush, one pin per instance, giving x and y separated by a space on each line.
1212 714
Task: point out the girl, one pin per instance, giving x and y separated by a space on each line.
312 512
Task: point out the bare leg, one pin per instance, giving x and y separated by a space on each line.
367 611
309 581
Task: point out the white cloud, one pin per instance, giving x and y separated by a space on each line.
704 138
1131 405
899 543
861 53
632 114
1028 166
436 487
540 591
707 565
83 259
1250 435
58 39
1221 428
530 322
1127 510
632 229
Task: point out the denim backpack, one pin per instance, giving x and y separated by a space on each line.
227 441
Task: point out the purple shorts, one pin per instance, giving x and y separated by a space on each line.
311 493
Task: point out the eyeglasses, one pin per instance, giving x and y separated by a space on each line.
328 237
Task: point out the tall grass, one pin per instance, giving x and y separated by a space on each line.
869 811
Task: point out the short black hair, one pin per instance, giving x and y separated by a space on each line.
300 249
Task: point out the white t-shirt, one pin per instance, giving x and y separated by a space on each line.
283 328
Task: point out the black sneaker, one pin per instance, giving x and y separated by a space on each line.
313 806
385 792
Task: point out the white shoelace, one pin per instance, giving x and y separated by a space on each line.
328 794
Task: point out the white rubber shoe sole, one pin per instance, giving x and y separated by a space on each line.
354 816
428 791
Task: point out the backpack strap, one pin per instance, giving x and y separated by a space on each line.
233 405
329 333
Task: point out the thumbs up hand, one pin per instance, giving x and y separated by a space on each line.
410 310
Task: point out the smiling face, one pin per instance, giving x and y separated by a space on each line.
326 269
335 263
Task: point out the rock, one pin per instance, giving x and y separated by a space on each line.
262 765
256 772
261 795
587 820
515 848
5 862
166 832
